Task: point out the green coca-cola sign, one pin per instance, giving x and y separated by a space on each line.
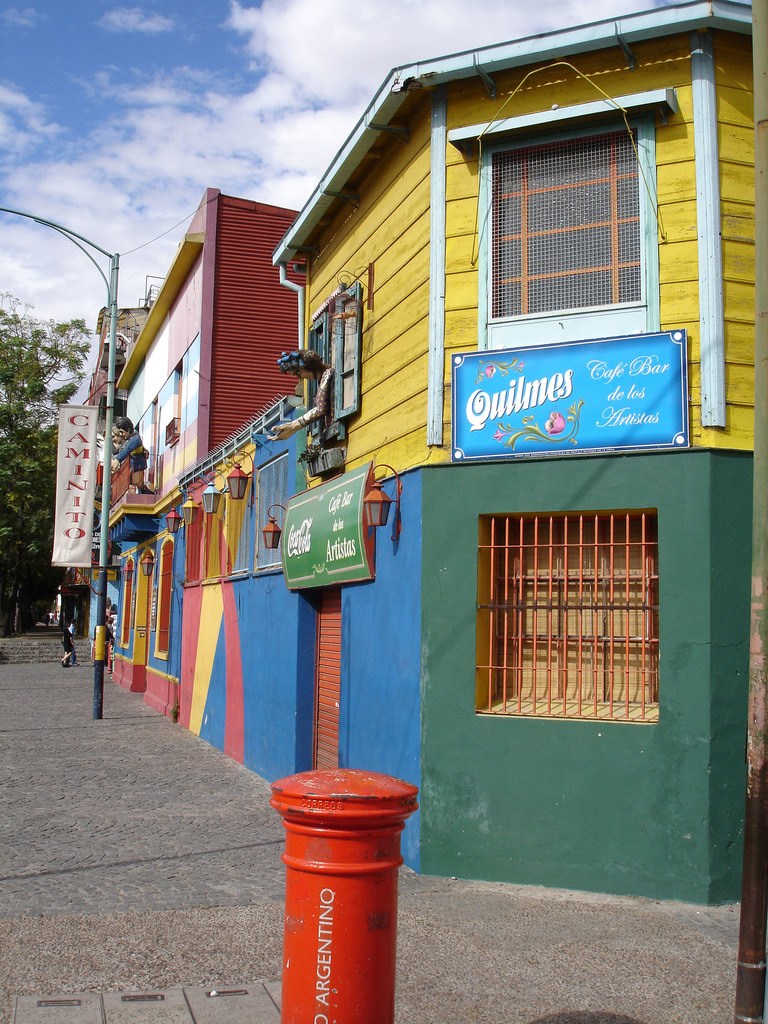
325 541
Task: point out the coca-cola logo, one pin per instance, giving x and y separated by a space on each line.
300 538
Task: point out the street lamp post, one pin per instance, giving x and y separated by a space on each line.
106 487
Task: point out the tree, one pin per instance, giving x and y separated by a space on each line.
41 367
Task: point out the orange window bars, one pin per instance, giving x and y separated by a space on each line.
568 619
566 226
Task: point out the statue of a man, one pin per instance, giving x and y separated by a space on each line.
307 365
127 440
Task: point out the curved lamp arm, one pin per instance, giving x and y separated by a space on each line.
376 502
237 480
272 532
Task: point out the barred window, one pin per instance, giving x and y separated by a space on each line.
568 617
566 226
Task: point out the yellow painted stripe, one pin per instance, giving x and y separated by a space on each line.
211 612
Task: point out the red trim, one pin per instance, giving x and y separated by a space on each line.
160 693
131 677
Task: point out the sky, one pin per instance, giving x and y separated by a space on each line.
115 117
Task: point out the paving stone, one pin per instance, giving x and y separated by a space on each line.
168 1007
96 820
274 988
80 1008
132 854
232 1005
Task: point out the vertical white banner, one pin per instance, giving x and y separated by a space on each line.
77 462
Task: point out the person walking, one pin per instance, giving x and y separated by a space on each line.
71 631
110 639
69 649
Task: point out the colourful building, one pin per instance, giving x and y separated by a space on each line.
82 583
531 268
203 362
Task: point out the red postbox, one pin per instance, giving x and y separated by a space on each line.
342 854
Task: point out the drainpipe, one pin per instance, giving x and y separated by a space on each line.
751 969
299 289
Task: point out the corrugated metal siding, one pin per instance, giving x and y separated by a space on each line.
328 680
254 319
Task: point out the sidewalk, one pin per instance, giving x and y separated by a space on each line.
138 862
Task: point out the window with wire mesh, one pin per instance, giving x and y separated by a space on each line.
568 616
566 226
272 491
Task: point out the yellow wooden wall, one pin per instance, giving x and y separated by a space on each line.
733 59
391 230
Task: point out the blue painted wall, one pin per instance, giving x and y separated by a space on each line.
277 632
270 632
380 676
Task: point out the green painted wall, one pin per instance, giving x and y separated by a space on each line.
649 810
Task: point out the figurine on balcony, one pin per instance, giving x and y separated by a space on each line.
307 365
129 446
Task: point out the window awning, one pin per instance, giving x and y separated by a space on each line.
662 100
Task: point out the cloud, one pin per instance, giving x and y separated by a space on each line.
342 49
134 19
23 124
264 124
20 17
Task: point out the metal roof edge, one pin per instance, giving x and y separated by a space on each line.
728 15
183 261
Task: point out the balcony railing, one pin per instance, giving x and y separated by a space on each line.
121 481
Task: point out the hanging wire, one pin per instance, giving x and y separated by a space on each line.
162 234
608 99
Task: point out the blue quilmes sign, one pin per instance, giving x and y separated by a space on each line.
615 394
